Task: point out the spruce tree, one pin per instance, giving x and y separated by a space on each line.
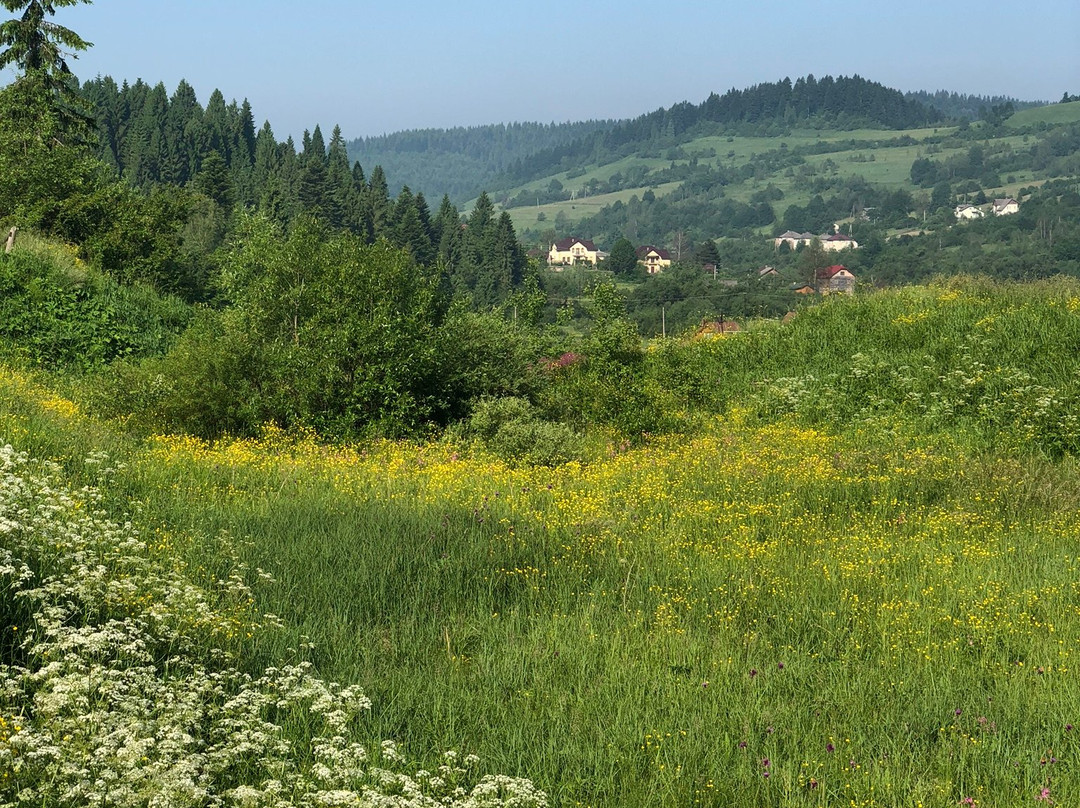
448 228
218 136
379 201
339 182
360 212
316 147
40 49
213 180
267 160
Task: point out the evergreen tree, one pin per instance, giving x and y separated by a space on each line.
315 148
623 258
312 192
379 202
408 230
213 180
183 133
40 49
447 226
267 161
247 136
706 253
218 134
360 212
339 182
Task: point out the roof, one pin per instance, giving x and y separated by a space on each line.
789 234
567 243
828 272
837 237
1001 203
645 249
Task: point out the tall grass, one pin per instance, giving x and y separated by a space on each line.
836 597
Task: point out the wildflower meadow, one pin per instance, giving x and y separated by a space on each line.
852 580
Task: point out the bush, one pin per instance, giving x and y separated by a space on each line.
512 429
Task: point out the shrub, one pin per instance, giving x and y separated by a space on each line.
513 429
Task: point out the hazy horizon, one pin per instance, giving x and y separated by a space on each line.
376 68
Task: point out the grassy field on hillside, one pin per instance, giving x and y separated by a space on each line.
575 211
1052 114
891 166
851 579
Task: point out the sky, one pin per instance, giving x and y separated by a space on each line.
378 67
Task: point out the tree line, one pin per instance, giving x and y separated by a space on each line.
843 102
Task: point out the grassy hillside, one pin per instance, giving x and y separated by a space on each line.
849 578
1050 114
891 167
790 169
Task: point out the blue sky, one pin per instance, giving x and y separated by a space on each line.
376 67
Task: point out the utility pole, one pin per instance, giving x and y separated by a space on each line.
663 321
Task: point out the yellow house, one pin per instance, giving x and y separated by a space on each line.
655 259
572 251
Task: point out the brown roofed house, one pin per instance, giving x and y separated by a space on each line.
655 259
573 250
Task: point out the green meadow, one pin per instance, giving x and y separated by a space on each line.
844 573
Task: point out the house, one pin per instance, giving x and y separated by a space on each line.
838 241
572 251
968 212
830 241
767 272
802 288
793 239
1003 207
655 259
835 279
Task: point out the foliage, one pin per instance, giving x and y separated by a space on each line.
76 318
324 331
513 430
36 46
623 258
41 164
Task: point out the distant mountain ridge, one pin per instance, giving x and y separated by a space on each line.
842 103
463 160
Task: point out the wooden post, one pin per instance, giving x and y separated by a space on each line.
10 244
663 321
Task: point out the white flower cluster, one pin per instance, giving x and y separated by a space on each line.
116 690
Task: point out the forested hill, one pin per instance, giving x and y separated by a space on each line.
968 107
840 103
462 161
